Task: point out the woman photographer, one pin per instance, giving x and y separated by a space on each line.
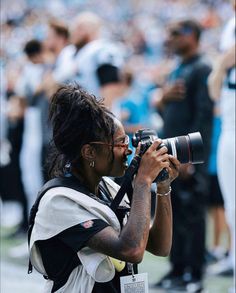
77 241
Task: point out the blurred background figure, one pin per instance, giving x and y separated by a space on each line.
91 59
217 249
11 185
222 86
26 86
56 40
186 107
98 60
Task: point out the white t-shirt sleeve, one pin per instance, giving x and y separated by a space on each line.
228 35
111 54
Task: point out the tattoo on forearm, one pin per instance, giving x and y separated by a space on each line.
139 220
133 235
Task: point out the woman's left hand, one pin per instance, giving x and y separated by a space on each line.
173 171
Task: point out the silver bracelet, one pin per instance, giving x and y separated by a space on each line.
164 194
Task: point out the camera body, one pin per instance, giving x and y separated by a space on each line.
187 149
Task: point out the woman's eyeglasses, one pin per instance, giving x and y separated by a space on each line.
123 144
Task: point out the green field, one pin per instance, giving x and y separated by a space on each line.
156 267
15 279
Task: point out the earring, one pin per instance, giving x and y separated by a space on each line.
67 168
91 164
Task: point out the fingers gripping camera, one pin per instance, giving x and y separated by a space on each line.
187 148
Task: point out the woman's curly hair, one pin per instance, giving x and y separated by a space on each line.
77 118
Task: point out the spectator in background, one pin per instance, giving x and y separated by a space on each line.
11 186
90 60
65 46
4 144
215 198
222 87
57 39
130 105
134 107
186 107
85 28
32 71
99 61
26 86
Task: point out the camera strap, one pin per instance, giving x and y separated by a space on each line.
126 186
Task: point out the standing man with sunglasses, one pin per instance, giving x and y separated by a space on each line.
186 107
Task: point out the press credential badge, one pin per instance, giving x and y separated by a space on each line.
137 283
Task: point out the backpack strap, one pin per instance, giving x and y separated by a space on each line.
69 182
126 186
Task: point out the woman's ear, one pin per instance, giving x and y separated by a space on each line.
88 152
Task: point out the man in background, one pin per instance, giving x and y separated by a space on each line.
57 39
222 87
186 107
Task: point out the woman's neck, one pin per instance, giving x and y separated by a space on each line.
89 181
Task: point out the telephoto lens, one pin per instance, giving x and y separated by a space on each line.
187 148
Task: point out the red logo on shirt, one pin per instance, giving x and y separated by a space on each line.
87 224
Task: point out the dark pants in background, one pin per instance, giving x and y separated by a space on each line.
11 185
189 207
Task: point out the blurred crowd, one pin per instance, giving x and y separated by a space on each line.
117 50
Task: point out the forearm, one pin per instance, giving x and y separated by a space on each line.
225 61
215 81
134 235
130 245
160 236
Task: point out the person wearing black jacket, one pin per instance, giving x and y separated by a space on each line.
186 107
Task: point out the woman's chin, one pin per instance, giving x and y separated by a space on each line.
121 171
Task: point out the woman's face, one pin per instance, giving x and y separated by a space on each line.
116 164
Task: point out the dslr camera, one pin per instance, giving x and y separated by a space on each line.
187 148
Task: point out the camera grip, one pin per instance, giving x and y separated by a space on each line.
162 176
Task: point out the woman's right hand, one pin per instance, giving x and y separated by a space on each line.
152 162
